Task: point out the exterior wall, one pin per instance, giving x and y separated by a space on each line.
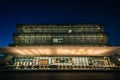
80 28
77 34
98 39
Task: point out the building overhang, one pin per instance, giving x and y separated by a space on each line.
60 51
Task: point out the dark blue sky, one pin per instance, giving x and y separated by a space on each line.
13 12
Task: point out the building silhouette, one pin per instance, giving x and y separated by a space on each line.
61 47
79 34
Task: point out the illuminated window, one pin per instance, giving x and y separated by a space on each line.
1 56
57 40
69 31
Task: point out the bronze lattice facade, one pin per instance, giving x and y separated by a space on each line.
77 34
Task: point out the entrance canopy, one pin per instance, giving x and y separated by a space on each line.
60 51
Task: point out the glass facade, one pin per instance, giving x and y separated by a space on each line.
57 39
80 28
61 63
80 34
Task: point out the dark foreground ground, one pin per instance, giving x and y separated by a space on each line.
60 75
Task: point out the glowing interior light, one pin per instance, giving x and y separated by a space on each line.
44 51
90 51
17 51
63 51
27 52
34 51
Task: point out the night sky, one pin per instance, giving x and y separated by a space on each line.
14 12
